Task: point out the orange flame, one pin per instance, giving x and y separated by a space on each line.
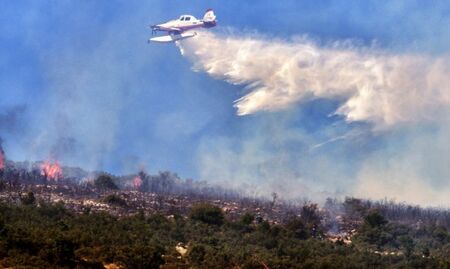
52 171
137 182
2 159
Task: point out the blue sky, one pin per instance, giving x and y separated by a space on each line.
79 83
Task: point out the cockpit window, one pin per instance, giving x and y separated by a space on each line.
188 18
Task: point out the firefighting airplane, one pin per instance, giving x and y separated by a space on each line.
179 29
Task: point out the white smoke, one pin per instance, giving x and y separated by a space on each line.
382 88
404 94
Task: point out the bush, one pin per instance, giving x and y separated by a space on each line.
247 219
207 213
28 199
297 227
141 256
196 254
115 200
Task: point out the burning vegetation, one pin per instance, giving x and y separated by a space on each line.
137 182
51 171
2 158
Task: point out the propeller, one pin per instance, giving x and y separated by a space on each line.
155 29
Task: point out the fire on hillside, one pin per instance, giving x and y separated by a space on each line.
51 170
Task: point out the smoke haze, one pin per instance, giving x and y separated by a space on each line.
319 116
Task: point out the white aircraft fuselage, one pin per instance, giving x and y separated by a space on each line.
180 29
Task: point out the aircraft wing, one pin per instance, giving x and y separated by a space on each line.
165 29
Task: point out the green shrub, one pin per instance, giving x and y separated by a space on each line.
207 213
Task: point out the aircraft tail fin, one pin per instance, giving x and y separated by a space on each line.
209 16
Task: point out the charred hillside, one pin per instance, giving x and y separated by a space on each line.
167 192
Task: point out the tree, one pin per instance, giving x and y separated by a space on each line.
274 198
105 182
2 184
145 186
311 218
407 243
375 219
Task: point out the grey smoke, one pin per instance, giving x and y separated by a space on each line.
11 119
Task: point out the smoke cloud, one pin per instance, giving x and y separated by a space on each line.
81 86
12 119
375 86
403 99
412 167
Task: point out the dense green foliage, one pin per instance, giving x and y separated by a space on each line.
207 213
50 236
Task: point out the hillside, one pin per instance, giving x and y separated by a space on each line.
162 221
